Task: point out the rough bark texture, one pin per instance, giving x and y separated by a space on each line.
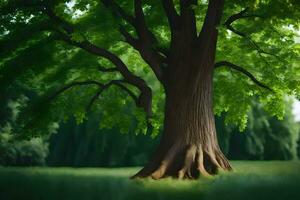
189 145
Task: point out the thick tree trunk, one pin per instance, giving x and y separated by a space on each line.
189 145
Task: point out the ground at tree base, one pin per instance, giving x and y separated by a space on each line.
248 180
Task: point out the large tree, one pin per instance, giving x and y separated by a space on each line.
246 48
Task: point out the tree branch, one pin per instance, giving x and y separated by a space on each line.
122 68
188 17
171 14
145 98
106 86
96 50
130 39
129 77
233 18
65 25
146 40
241 15
100 85
133 96
118 11
145 35
187 4
70 85
242 70
104 69
212 20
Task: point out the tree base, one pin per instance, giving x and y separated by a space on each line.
185 162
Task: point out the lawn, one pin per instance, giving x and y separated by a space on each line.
249 180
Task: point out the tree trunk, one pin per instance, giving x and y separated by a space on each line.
189 145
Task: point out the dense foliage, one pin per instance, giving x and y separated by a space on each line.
40 52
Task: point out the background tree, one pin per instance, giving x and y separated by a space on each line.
113 44
82 145
14 152
264 138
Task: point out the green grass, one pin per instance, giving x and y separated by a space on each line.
249 180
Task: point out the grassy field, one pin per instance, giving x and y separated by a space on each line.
249 180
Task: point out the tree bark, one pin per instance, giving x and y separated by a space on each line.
189 146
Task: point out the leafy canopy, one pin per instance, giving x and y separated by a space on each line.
42 53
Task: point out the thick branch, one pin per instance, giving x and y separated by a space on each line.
171 13
145 41
212 18
187 4
129 38
242 70
93 49
187 16
145 98
128 76
120 65
139 16
145 35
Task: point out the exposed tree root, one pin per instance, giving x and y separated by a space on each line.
186 162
